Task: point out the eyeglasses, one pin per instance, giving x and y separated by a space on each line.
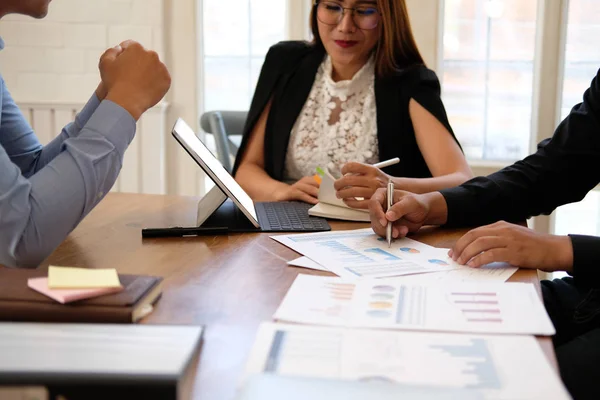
331 13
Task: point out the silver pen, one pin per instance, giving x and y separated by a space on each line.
390 203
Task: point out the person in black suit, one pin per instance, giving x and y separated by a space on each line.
563 170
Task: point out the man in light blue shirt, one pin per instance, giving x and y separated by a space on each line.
45 191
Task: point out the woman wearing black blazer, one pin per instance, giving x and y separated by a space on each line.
358 94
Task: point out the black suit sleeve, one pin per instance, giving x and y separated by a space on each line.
563 170
586 259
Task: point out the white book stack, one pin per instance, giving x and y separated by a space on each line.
99 361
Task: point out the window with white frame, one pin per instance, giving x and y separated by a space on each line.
488 64
582 61
582 53
236 37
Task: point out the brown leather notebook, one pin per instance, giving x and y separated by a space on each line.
20 303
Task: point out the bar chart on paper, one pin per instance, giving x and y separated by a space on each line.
408 305
491 308
467 361
478 307
362 254
498 367
318 299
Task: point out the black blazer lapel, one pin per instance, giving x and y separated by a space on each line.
289 99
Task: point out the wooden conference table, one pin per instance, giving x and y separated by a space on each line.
228 284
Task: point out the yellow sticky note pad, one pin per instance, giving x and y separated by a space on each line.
82 278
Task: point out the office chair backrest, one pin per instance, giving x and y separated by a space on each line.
222 125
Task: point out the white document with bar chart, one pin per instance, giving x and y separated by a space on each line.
496 272
362 254
500 367
507 308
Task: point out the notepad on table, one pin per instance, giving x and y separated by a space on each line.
68 295
330 206
82 278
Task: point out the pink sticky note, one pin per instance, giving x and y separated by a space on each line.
68 295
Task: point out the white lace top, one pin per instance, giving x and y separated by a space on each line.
337 124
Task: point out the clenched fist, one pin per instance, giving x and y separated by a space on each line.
134 77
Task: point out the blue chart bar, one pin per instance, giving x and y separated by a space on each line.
272 363
346 251
478 362
386 256
330 236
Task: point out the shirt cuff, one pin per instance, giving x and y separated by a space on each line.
115 123
461 206
586 259
87 111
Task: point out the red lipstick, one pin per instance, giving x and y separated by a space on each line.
345 44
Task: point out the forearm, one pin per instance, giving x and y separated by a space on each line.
37 214
258 184
427 185
72 129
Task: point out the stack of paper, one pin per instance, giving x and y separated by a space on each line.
362 254
443 315
70 284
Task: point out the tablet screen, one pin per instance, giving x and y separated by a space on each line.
214 169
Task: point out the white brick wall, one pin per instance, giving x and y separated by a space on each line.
56 59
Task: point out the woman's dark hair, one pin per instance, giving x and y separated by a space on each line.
396 48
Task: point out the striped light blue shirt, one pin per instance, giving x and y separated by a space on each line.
45 191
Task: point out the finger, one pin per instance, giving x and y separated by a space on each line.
488 257
305 197
353 180
470 237
109 56
399 231
353 192
308 189
309 180
481 244
359 204
376 208
399 194
377 228
355 168
129 43
404 226
405 205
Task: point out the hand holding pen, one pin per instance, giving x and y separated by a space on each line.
360 181
389 203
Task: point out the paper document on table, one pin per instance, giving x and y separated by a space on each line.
324 300
496 272
513 308
305 262
499 367
362 254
